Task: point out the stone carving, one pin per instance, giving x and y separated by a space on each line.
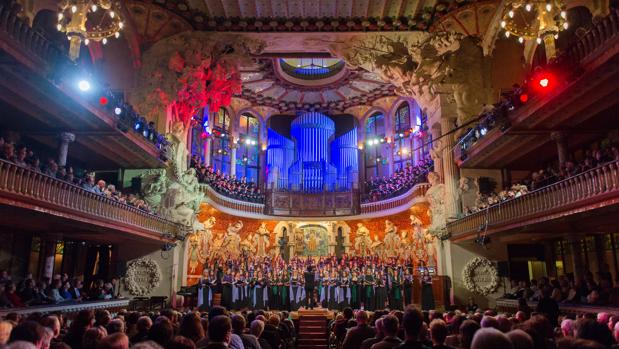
363 242
260 241
480 276
436 197
469 192
143 275
424 66
392 240
423 243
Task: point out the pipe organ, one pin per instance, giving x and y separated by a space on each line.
313 161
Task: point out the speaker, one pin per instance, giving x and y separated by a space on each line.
503 268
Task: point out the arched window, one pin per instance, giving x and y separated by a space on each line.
376 159
220 150
407 127
248 152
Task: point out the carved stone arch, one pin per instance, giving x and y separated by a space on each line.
251 111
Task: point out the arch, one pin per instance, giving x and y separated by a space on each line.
377 155
248 147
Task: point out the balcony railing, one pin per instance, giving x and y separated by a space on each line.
34 190
603 31
511 306
403 201
592 187
233 204
68 308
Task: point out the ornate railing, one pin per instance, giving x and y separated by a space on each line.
300 204
64 308
230 203
404 200
26 37
34 190
590 187
511 306
603 31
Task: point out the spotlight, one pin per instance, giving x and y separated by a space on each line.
483 131
544 81
548 7
83 85
118 111
528 7
511 13
538 40
521 40
103 100
524 98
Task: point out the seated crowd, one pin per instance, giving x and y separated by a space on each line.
473 330
24 157
229 186
566 290
167 329
402 180
544 177
60 289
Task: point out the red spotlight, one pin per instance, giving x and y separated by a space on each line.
103 100
524 98
544 82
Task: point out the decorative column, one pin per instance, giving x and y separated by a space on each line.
561 139
451 172
436 150
65 139
233 160
49 253
262 163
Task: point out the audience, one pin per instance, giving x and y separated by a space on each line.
230 186
402 180
24 157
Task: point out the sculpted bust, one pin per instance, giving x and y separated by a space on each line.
436 197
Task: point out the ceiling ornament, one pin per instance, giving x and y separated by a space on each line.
310 16
89 20
539 20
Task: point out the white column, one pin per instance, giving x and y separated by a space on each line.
451 172
233 161
65 139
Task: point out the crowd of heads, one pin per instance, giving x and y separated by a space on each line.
592 158
60 289
412 328
167 329
230 186
567 290
381 188
24 157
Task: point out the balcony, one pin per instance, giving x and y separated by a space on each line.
38 100
586 102
338 204
562 205
33 201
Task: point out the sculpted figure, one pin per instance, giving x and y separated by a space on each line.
299 241
436 197
378 247
260 241
231 244
392 239
362 240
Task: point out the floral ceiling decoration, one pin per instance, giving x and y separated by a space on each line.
311 16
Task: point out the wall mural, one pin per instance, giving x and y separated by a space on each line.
403 237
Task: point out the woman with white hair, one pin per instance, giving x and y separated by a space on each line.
567 328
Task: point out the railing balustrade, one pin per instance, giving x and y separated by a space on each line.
224 201
34 187
68 308
595 183
419 190
511 306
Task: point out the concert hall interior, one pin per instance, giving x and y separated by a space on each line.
279 174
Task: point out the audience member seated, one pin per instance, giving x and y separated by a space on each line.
398 183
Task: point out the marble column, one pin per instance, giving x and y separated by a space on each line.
561 139
233 161
451 172
63 151
208 145
262 163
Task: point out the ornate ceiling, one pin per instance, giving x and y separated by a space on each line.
264 83
307 15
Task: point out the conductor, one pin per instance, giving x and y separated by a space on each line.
309 286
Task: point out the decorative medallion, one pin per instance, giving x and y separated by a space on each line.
480 276
143 275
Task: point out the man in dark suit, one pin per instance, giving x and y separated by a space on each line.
356 335
309 286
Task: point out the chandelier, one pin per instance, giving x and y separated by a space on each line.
89 20
539 20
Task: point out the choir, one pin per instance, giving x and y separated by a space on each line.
262 283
